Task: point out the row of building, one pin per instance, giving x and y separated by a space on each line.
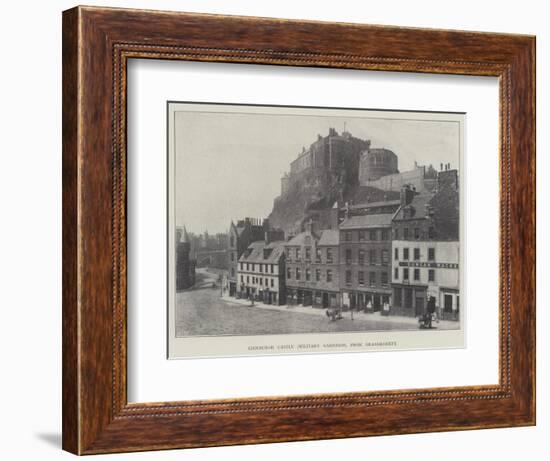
393 254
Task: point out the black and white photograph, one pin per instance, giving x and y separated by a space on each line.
305 229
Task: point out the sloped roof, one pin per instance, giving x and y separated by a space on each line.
300 239
375 204
255 252
329 237
367 221
418 207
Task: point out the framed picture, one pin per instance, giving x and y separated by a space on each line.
284 230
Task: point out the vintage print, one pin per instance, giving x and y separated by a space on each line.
313 230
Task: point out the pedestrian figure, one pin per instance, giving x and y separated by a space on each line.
431 310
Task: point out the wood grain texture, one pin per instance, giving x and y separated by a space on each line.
97 43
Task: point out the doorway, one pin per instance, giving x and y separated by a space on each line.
325 301
419 306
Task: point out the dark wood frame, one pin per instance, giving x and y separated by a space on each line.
97 43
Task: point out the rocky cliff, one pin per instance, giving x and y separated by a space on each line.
313 193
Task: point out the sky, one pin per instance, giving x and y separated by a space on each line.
229 166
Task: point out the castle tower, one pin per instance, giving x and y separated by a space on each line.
376 163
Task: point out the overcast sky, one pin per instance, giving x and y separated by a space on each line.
229 166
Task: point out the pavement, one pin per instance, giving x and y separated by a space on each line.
357 316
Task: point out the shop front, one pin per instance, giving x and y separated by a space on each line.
409 300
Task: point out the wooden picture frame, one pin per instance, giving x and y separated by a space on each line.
97 44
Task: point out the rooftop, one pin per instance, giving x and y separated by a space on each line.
367 221
300 239
418 207
375 204
255 252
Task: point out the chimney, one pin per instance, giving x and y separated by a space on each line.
406 195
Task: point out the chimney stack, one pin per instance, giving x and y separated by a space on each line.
406 195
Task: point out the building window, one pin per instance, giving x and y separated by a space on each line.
396 254
247 279
298 255
287 251
396 233
261 267
372 278
396 273
405 233
372 235
318 275
416 233
361 277
272 283
361 257
405 273
318 255
372 257
417 274
308 274
416 253
361 235
385 234
253 267
232 272
247 267
242 278
329 275
406 254
298 273
431 254
242 266
308 254
431 275
329 255
232 256
261 281
385 254
266 282
347 236
272 268
348 256
431 232
288 273
348 277
384 279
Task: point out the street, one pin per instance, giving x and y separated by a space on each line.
200 311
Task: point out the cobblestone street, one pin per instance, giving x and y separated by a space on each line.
202 312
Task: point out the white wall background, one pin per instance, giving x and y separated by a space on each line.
30 235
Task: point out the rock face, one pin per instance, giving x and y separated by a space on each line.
313 195
325 173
